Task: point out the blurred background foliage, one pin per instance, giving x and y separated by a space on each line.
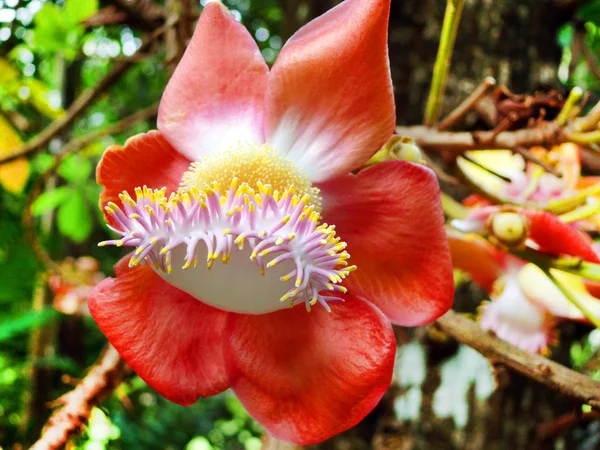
50 52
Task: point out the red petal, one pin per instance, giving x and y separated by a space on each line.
306 377
171 340
329 102
146 159
215 96
556 237
390 216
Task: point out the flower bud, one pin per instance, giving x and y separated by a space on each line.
508 228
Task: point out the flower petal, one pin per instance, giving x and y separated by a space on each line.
309 376
145 159
556 237
329 102
477 257
171 340
546 230
543 292
215 96
515 319
390 216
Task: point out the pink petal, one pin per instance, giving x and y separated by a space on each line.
215 96
306 377
145 159
329 102
171 340
390 216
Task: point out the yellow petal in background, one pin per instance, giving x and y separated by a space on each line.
542 291
503 162
14 174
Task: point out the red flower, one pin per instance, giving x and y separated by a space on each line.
261 160
526 305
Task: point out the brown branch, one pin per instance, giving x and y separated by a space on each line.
440 173
531 157
77 405
147 14
551 374
119 127
467 104
548 432
430 139
85 99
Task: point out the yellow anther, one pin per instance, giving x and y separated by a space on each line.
186 266
259 166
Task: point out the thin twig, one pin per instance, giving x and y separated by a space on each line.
467 104
147 14
534 159
550 431
442 61
85 99
487 169
440 173
544 371
77 405
119 127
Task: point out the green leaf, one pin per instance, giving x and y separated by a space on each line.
50 200
79 10
75 169
42 162
74 219
49 33
589 11
26 321
565 35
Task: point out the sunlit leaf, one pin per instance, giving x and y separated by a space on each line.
565 35
42 162
14 174
74 218
50 200
25 322
79 10
39 95
7 71
75 169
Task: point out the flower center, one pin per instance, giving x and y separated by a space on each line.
251 164
278 230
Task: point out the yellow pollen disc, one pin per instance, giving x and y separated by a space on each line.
252 164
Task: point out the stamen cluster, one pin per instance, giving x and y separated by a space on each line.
283 226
